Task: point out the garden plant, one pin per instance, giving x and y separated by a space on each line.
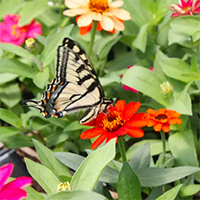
117 87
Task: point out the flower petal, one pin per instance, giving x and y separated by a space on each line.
75 12
19 183
116 4
84 20
136 132
120 105
123 14
85 29
75 3
157 126
93 132
166 128
175 121
14 194
107 23
152 112
98 141
150 122
118 25
5 172
96 16
137 120
130 110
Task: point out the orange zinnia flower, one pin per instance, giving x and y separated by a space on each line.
118 121
107 13
162 119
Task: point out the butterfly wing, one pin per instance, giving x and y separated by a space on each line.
75 87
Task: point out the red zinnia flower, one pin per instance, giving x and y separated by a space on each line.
119 120
191 7
162 119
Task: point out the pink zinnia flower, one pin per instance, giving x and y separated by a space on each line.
12 190
191 7
10 32
125 87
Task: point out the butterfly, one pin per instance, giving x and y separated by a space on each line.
76 86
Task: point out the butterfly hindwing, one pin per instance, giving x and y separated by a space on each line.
75 87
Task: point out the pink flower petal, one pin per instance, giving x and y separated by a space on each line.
19 183
34 28
5 172
14 194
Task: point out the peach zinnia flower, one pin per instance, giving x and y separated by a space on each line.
191 7
118 121
162 119
107 13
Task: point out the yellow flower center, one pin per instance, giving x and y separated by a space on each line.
30 42
161 117
113 121
13 31
98 6
63 186
17 32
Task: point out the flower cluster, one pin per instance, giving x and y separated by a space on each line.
10 32
107 13
14 189
191 7
118 121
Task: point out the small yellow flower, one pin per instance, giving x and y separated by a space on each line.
63 186
107 13
166 88
30 42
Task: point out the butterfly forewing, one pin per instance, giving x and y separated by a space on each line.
75 87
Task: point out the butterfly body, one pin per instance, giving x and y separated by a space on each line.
76 86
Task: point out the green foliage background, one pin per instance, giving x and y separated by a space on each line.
150 39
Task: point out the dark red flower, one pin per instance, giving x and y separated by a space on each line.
118 121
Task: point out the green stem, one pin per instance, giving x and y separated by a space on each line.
122 149
163 144
93 32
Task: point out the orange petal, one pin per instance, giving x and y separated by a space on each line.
122 131
151 112
85 29
99 28
137 132
98 141
162 111
93 132
137 120
130 110
175 121
150 122
173 113
166 128
157 127
120 105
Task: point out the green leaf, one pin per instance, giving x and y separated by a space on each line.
109 79
31 10
145 81
52 43
160 176
17 50
7 77
185 153
9 6
190 190
10 118
73 126
140 41
16 67
43 176
48 159
182 102
7 132
155 146
128 186
73 161
141 157
17 141
41 78
77 195
10 94
188 25
91 168
33 194
170 194
138 12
